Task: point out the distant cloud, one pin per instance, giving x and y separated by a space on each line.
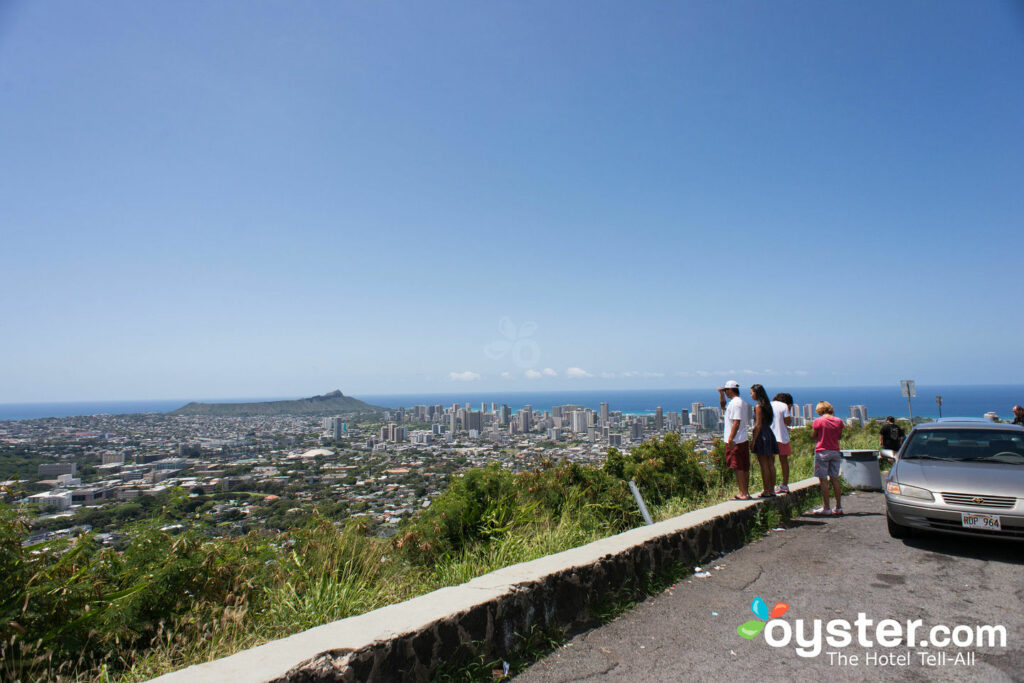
642 373
703 373
533 374
467 376
548 372
681 373
506 375
801 372
577 372
608 375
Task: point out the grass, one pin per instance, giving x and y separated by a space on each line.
317 575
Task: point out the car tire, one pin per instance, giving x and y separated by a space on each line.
898 530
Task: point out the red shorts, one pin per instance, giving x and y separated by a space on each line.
737 456
786 448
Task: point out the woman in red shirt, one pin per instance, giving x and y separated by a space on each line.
827 430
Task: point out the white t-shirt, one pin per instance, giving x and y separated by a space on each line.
779 428
736 409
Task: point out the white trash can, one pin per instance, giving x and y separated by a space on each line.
860 470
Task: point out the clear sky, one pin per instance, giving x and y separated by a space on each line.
206 199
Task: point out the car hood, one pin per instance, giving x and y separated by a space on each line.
994 479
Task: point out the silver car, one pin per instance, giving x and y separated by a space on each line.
958 477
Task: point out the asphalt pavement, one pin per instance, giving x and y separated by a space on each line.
825 569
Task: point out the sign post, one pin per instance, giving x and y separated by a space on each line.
938 402
909 391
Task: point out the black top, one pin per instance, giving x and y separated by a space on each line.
892 436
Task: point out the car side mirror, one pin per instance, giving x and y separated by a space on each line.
887 454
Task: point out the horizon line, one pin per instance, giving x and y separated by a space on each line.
469 390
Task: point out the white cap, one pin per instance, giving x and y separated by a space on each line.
731 384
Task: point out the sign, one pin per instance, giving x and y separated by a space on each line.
909 390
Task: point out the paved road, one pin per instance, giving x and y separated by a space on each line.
824 569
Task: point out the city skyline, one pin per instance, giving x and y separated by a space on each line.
252 200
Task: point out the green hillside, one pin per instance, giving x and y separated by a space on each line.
333 403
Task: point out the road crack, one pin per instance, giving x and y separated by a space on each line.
750 583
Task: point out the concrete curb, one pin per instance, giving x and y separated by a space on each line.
409 640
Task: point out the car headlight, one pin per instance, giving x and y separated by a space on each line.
898 489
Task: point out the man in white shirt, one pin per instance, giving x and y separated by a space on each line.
737 421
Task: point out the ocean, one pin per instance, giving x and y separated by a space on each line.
958 401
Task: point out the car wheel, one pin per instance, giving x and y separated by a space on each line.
898 530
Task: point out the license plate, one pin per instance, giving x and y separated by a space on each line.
972 520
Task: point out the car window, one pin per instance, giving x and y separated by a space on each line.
967 444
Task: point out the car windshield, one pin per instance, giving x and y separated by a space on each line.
983 445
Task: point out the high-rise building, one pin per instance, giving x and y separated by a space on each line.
604 413
709 418
505 416
697 415
636 429
659 419
808 411
526 419
684 417
475 420
579 421
861 413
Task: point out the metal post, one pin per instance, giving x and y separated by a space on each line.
640 502
938 402
910 409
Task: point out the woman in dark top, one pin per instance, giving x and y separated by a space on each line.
764 444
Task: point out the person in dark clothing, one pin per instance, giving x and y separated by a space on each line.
1018 415
764 442
891 435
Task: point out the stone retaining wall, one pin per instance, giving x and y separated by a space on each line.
410 640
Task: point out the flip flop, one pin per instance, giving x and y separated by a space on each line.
738 498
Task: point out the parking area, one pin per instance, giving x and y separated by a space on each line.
841 570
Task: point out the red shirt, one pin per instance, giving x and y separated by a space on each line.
827 430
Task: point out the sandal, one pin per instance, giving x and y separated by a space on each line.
821 512
737 497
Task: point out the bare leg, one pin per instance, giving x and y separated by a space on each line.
784 464
824 493
767 474
838 491
742 481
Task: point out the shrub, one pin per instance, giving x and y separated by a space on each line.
663 469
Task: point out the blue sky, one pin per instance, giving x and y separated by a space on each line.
267 199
